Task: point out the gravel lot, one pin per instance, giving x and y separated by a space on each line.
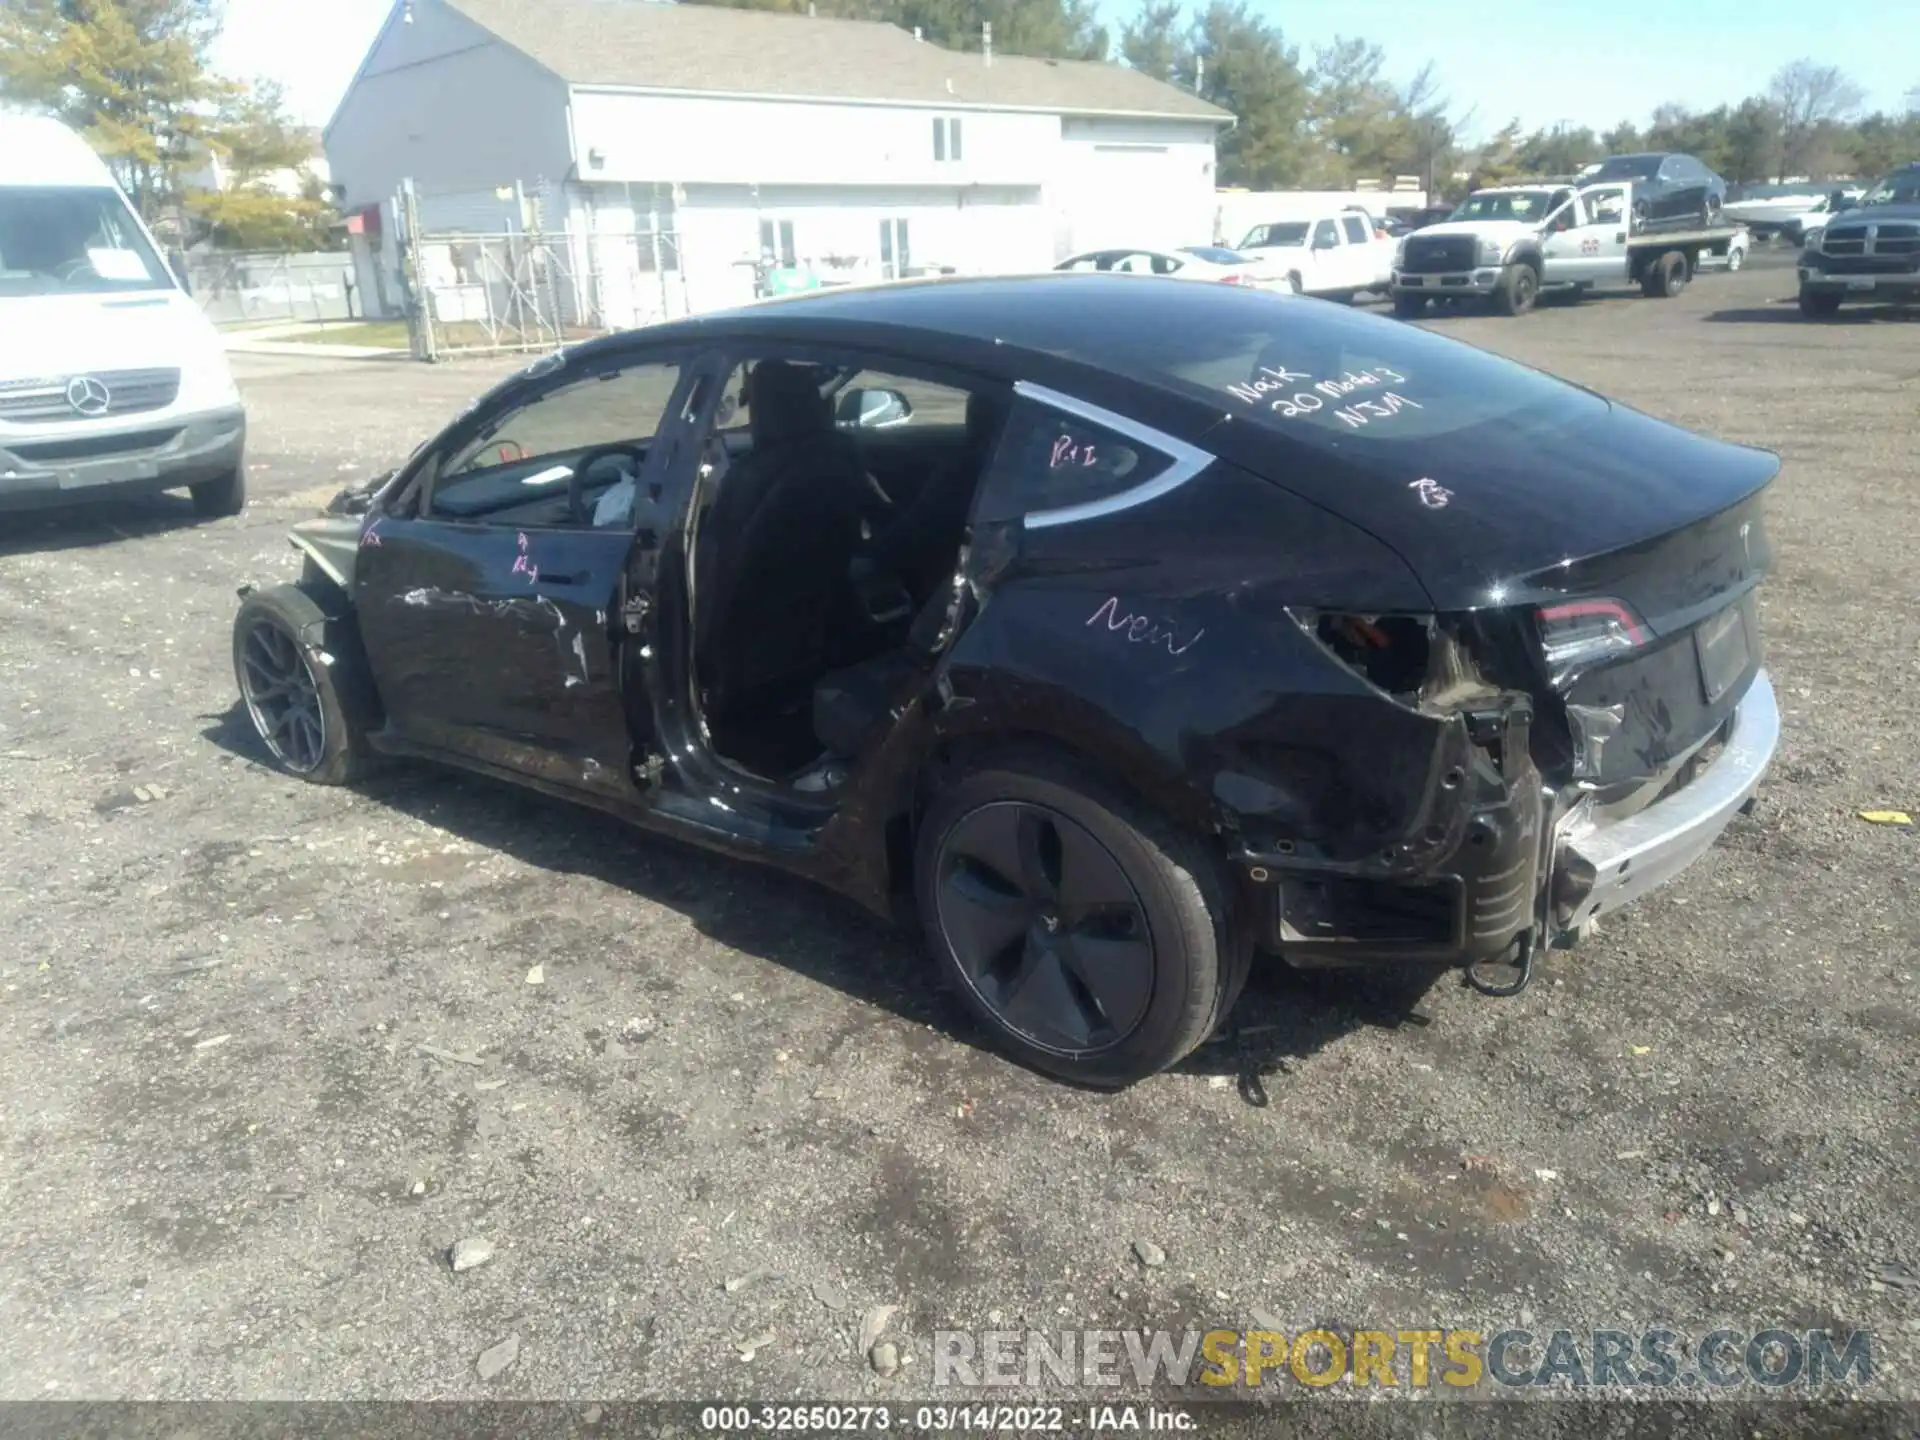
231 1170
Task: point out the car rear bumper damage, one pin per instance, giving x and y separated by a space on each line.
1524 865
158 455
1602 866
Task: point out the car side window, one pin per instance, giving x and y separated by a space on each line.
1050 459
909 401
1325 235
1356 229
518 469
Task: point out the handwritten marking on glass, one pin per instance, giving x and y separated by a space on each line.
1293 393
1432 493
1364 412
1142 629
371 535
522 564
1066 451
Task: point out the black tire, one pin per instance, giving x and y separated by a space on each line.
304 682
1409 307
1294 284
1171 922
1819 304
1667 276
1519 289
215 499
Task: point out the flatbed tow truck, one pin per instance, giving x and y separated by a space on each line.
1512 243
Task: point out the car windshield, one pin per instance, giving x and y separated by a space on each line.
1214 254
1902 187
1333 378
73 241
1290 232
1527 206
1627 167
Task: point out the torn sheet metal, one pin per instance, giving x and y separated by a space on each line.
1593 726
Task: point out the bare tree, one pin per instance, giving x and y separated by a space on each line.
1811 99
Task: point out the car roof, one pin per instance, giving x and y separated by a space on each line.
35 150
1007 326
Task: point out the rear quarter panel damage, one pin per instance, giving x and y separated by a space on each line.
1116 637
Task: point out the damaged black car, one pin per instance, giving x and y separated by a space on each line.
1119 629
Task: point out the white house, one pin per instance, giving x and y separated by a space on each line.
734 134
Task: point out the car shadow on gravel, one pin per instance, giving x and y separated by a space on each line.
1283 1015
80 526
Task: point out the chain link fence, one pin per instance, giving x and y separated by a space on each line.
242 288
500 293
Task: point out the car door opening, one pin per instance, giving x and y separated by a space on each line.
827 526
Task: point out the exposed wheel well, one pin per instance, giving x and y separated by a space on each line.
965 754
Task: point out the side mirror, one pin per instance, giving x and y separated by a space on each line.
1844 202
872 409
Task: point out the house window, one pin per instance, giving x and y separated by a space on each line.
946 138
894 255
776 243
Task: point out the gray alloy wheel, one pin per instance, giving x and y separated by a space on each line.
282 697
1047 930
304 681
1095 940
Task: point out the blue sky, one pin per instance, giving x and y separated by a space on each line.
1589 62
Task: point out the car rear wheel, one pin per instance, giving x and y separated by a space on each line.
1519 288
1293 283
1736 257
214 499
1667 276
1819 305
302 681
1409 306
1096 942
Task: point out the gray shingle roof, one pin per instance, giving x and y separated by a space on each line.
650 45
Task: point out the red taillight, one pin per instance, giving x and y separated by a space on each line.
1236 280
1579 633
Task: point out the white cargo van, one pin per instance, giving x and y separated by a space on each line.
111 378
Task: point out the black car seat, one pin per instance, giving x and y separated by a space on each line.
920 544
778 541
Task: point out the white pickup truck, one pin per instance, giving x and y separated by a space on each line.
1334 253
1511 242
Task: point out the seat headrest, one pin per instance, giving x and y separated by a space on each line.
784 403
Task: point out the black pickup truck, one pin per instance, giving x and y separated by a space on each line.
1872 252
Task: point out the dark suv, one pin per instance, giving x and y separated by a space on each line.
1872 252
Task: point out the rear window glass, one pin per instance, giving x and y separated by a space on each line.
1323 373
73 241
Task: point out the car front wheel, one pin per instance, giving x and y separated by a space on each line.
301 681
213 499
1519 288
1096 942
1819 305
